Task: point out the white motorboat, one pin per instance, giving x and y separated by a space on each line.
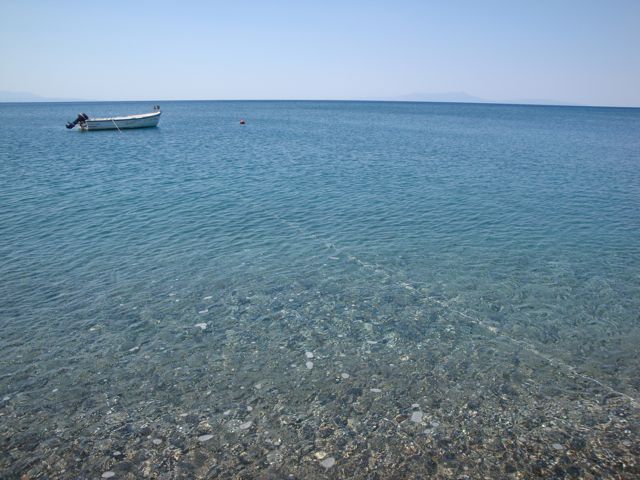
143 120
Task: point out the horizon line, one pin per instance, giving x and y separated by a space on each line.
359 100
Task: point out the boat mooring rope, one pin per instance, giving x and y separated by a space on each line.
114 122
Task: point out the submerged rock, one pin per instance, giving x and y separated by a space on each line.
320 455
328 462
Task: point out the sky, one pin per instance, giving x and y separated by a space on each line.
569 51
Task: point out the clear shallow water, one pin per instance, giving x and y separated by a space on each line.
465 280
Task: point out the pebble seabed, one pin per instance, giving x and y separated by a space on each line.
308 380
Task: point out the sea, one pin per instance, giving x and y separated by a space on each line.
332 290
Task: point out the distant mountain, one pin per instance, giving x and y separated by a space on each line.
462 97
439 97
540 101
454 97
7 96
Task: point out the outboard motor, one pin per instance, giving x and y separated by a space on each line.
82 117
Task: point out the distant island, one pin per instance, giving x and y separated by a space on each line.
8 97
453 97
463 97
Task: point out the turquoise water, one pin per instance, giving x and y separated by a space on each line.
335 289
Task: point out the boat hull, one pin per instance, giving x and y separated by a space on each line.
122 123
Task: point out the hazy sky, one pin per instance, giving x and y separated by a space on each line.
576 51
